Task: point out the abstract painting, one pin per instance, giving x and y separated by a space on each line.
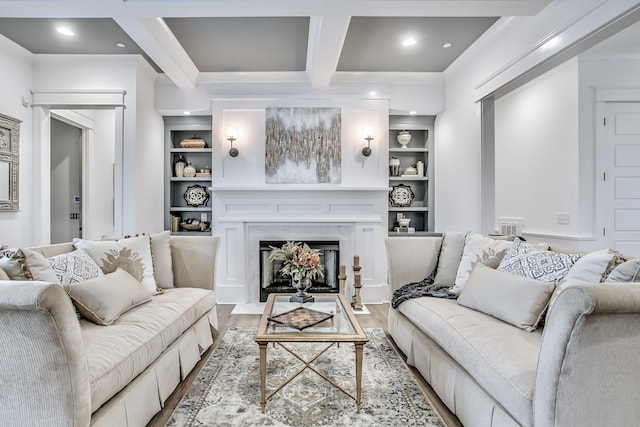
303 146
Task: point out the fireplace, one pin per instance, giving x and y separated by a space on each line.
271 280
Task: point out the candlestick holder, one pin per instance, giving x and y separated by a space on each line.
356 303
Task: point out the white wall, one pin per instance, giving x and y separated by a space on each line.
15 73
149 144
537 153
507 50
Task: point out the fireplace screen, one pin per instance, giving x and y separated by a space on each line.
272 281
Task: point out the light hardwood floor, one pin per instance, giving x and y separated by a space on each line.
377 319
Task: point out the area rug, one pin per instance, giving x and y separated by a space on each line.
227 389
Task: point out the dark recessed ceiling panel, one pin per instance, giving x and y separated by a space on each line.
244 44
92 36
375 43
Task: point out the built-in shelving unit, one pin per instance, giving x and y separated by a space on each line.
178 129
419 149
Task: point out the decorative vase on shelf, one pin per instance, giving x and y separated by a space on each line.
189 171
403 138
301 285
179 166
394 166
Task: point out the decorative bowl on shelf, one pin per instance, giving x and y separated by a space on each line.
192 224
404 222
403 138
410 170
194 142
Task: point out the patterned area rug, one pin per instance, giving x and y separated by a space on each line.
227 389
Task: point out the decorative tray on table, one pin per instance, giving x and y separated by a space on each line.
300 318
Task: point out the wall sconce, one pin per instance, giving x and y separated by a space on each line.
367 134
232 135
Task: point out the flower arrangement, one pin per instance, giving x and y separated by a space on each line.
298 259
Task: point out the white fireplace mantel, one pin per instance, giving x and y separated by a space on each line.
356 218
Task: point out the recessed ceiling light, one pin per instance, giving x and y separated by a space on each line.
447 45
187 113
373 93
65 31
409 42
413 112
120 44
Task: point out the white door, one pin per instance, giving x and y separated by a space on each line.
619 169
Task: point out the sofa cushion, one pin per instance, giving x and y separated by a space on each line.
478 249
75 266
628 271
161 256
132 254
537 263
449 258
517 300
39 267
116 354
12 261
500 357
103 299
3 275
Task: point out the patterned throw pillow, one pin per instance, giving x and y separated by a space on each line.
12 261
478 249
132 254
74 267
536 263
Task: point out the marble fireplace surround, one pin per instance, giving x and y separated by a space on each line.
355 218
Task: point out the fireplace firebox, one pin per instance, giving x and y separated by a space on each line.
271 280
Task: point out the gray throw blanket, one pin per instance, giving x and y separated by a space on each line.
423 288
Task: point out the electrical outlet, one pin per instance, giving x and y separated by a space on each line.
564 218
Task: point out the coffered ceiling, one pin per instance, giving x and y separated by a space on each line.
197 41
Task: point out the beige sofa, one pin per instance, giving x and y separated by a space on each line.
581 369
58 370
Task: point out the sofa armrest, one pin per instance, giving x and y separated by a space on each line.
194 261
44 364
411 259
588 366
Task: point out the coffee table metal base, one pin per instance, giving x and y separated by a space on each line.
308 365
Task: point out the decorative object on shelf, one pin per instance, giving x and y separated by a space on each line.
356 302
420 167
175 223
403 138
189 171
401 195
232 135
404 222
192 224
301 263
194 142
367 135
410 171
179 166
394 166
196 195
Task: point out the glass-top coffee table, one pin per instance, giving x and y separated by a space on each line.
288 325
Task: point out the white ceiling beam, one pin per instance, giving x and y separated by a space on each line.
326 37
156 39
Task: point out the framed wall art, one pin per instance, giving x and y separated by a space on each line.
9 163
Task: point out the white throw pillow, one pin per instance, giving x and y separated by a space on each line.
162 262
73 267
449 258
478 249
38 266
103 299
529 261
518 300
628 271
132 254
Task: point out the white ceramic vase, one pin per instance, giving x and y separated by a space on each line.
403 138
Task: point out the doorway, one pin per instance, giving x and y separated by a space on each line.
66 181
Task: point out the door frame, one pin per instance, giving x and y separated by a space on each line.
42 104
602 98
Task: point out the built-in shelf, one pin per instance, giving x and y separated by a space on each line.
418 150
178 128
